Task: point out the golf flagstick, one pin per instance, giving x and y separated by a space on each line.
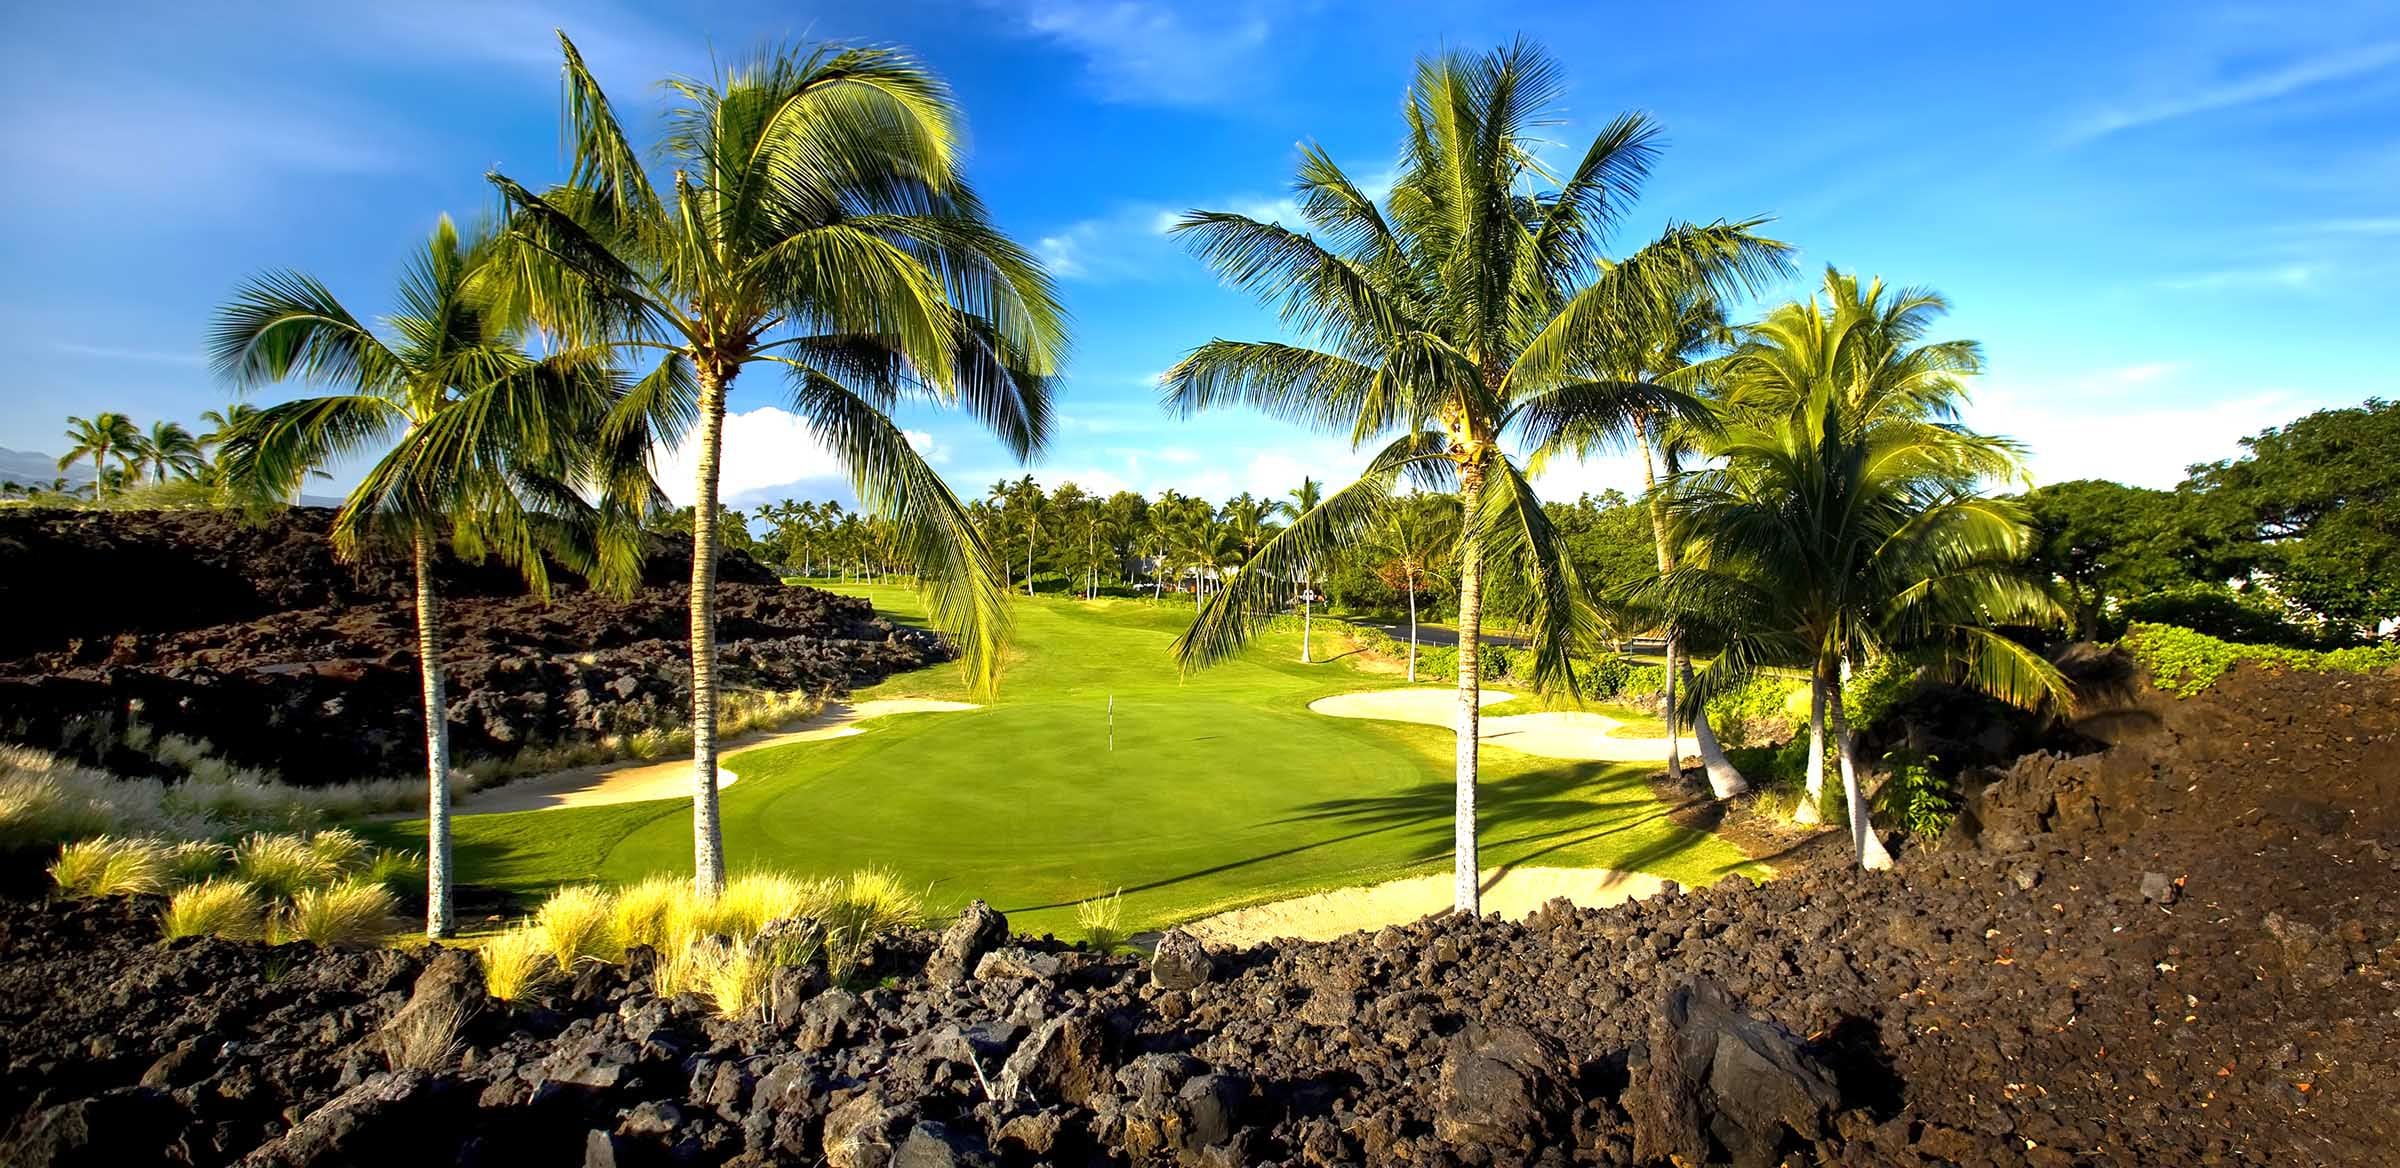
1112 723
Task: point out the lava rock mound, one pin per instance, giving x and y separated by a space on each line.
256 638
2181 949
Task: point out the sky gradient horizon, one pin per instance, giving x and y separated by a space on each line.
2169 225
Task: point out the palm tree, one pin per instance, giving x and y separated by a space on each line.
1687 327
103 437
1844 520
1409 542
1450 324
1025 497
169 447
1295 503
476 435
818 220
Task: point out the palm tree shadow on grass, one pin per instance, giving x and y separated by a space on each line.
1526 800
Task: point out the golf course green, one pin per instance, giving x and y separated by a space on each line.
1219 789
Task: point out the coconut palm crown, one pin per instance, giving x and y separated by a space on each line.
815 218
1448 327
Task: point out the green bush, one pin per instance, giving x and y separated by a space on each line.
2246 617
1914 797
2183 662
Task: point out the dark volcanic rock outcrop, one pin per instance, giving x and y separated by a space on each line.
2010 999
256 639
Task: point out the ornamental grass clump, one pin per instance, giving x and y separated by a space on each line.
341 850
229 909
750 902
395 868
1100 917
857 909
109 866
281 866
344 914
575 923
516 962
196 861
646 913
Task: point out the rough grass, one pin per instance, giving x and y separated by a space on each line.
857 909
108 866
345 914
395 868
230 909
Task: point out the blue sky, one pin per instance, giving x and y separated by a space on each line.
2171 224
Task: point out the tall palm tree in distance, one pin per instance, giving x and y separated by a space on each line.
1452 326
169 449
1411 541
816 219
104 437
476 438
1295 503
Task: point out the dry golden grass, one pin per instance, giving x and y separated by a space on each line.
644 913
281 866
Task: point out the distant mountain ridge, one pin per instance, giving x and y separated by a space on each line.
34 468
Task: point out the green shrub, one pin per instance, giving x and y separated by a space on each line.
2183 662
345 914
109 866
216 908
1914 796
2244 617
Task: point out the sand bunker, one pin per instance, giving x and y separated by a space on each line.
636 781
1511 892
1569 734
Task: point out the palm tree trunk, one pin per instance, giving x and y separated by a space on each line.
1308 616
1807 811
1412 628
438 921
1674 716
708 835
1865 844
1468 873
1724 780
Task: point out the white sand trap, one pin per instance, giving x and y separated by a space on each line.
635 781
1511 892
1570 734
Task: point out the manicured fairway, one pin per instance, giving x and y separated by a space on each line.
1222 788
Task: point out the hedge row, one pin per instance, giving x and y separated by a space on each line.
2183 662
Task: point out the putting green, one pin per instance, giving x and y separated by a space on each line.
1222 789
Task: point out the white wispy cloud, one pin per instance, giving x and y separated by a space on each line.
2230 93
2288 276
1156 53
112 353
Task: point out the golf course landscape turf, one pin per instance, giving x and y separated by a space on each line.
1222 788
